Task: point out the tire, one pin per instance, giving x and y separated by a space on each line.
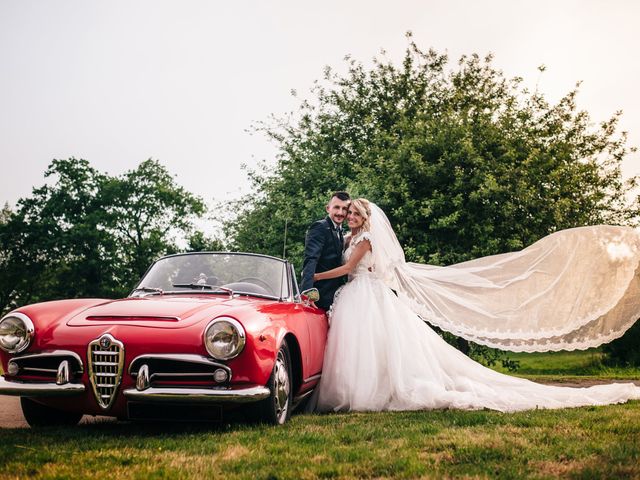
276 408
39 415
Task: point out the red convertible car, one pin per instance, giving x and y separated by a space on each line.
201 334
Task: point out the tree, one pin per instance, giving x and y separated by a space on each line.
465 162
199 242
6 260
146 211
53 241
624 351
87 234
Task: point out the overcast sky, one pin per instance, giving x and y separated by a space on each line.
117 82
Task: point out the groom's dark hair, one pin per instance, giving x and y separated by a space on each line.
344 196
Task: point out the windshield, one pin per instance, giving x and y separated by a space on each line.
241 273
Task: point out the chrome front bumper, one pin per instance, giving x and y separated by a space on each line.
22 389
148 395
198 395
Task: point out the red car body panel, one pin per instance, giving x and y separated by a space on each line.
175 324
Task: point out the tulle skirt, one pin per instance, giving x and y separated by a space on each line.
381 356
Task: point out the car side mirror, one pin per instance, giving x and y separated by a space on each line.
310 295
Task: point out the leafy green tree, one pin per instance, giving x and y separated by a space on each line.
146 211
87 234
199 242
465 161
7 282
624 351
52 241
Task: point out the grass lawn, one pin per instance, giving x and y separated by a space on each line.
590 442
593 442
568 366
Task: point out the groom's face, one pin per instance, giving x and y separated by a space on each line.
337 209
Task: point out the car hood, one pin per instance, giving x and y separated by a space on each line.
164 311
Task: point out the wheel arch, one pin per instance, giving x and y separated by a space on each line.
296 360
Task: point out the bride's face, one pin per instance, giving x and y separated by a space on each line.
354 219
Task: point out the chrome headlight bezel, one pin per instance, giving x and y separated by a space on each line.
214 328
27 326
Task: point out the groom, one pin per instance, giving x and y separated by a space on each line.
323 247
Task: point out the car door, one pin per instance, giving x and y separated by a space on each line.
317 326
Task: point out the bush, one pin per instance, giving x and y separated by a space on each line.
624 351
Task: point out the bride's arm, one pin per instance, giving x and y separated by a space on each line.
358 252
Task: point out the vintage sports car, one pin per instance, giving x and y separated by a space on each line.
201 334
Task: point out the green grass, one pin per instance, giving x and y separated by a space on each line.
594 442
590 442
576 364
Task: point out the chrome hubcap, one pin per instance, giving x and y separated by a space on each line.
282 387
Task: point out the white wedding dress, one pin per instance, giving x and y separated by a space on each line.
380 355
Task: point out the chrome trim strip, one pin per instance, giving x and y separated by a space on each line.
131 318
39 389
302 396
41 370
51 353
198 395
291 280
312 378
176 357
181 375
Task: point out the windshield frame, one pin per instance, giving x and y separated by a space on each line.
286 269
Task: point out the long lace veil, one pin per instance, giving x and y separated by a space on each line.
574 289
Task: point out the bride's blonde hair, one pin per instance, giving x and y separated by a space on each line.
364 209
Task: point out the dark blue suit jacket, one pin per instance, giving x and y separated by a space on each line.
322 252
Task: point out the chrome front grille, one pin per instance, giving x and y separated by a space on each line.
105 357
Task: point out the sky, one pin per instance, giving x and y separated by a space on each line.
182 81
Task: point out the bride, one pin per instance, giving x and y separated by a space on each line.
573 289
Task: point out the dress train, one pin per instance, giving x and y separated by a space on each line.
381 356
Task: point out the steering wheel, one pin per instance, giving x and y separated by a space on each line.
259 282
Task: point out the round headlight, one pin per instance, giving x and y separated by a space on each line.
224 338
16 332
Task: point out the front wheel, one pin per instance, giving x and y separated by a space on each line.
276 409
39 415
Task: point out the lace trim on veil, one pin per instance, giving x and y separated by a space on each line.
517 344
607 319
453 298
